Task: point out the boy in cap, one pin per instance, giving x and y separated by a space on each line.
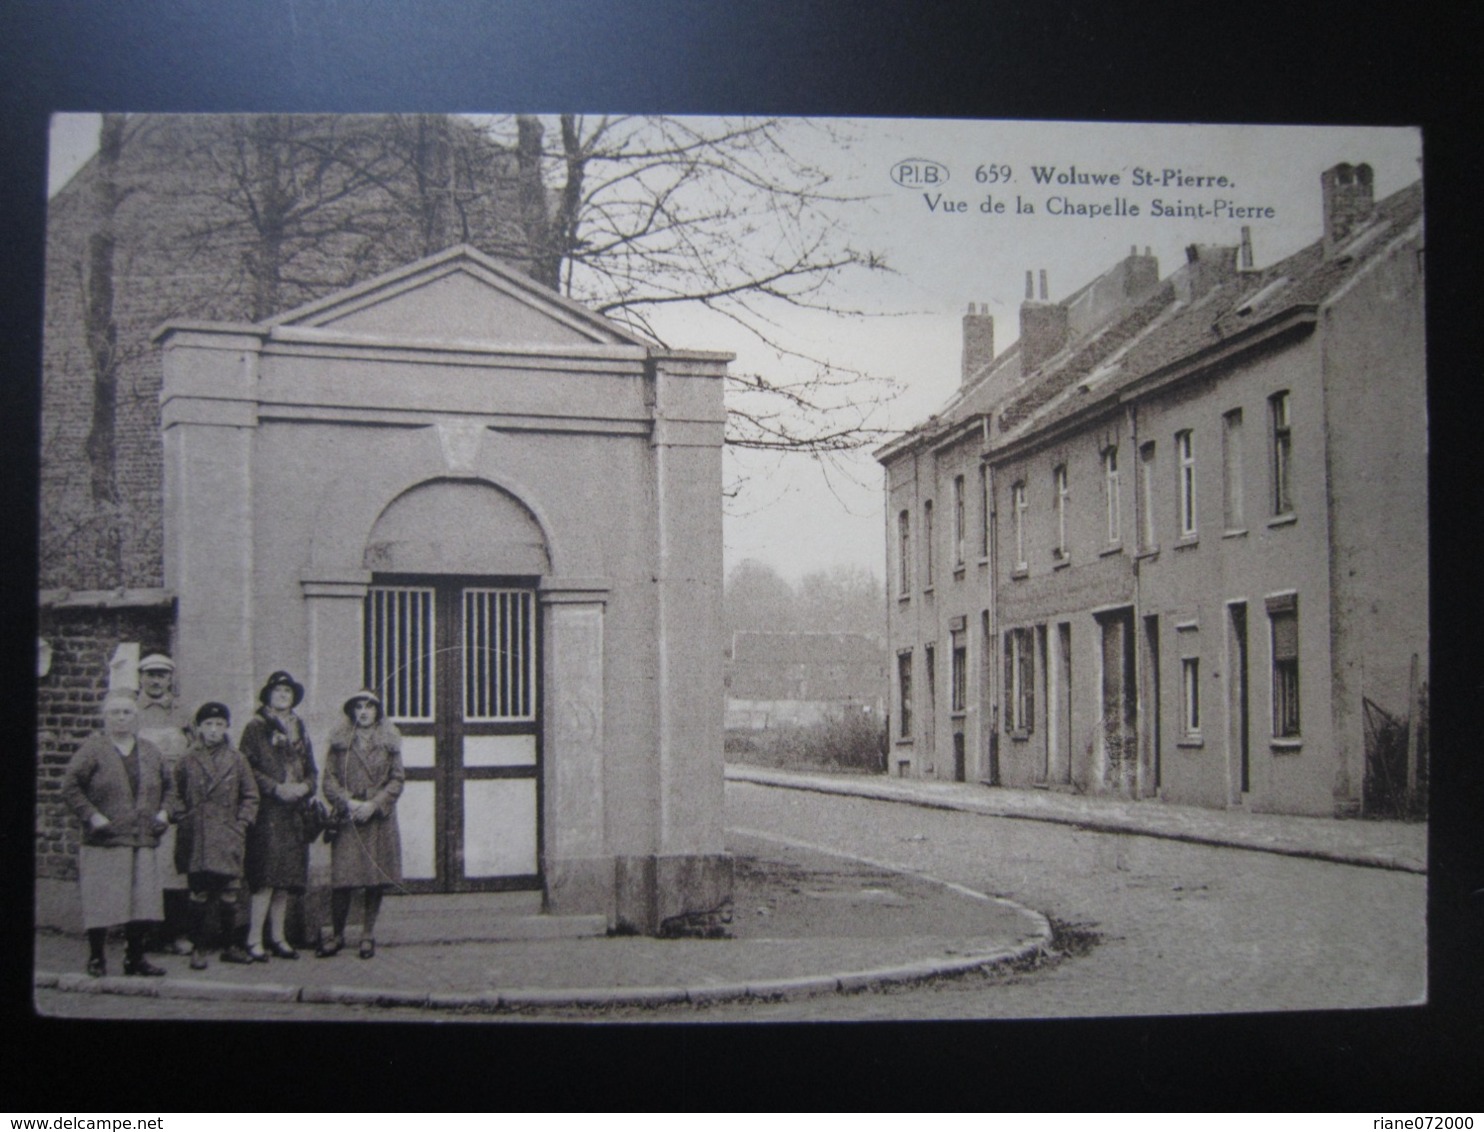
220 799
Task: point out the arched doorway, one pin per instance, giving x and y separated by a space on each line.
451 638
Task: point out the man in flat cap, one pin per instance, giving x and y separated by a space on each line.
165 723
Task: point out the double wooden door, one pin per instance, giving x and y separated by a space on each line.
456 661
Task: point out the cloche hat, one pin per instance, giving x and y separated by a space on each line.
365 694
281 679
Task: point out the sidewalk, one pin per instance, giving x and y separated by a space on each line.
803 923
1374 844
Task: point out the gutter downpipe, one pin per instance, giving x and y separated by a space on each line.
1142 729
992 652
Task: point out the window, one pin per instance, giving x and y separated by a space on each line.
1111 493
1059 483
1147 540
959 671
1231 470
904 554
1185 454
927 545
1283 619
1190 689
1282 454
904 694
958 520
399 651
1017 510
1020 681
988 506
499 654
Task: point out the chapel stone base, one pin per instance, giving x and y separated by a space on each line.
682 894
580 886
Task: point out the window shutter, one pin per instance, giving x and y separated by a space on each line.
1009 684
1283 613
1028 680
1285 636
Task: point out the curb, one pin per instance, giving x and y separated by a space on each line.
526 998
1361 859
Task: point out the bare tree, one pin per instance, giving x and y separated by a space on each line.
841 599
758 599
101 330
633 215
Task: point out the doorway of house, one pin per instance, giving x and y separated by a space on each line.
1061 667
1151 768
456 662
1240 725
1119 738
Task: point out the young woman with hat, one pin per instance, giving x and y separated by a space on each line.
276 746
363 780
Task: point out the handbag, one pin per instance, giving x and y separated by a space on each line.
317 820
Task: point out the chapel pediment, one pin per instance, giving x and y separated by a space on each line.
458 295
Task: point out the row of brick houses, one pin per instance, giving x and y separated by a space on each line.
1172 542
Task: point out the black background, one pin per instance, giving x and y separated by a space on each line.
1054 59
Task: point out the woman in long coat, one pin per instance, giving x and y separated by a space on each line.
117 786
363 780
276 746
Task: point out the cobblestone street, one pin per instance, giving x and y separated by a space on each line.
1181 929
1143 926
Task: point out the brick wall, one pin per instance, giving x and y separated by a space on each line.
83 639
182 247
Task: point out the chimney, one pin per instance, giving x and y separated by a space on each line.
1207 266
1348 201
978 340
1043 327
1244 257
1140 274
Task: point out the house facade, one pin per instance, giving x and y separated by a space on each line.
1204 534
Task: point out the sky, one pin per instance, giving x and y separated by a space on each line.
947 246
797 518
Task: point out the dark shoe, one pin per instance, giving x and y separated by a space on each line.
143 966
329 946
281 950
368 949
198 961
236 954
97 968
258 954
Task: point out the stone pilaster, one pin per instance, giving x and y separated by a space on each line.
577 860
209 415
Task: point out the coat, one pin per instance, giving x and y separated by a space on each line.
97 782
279 753
165 725
219 800
365 765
